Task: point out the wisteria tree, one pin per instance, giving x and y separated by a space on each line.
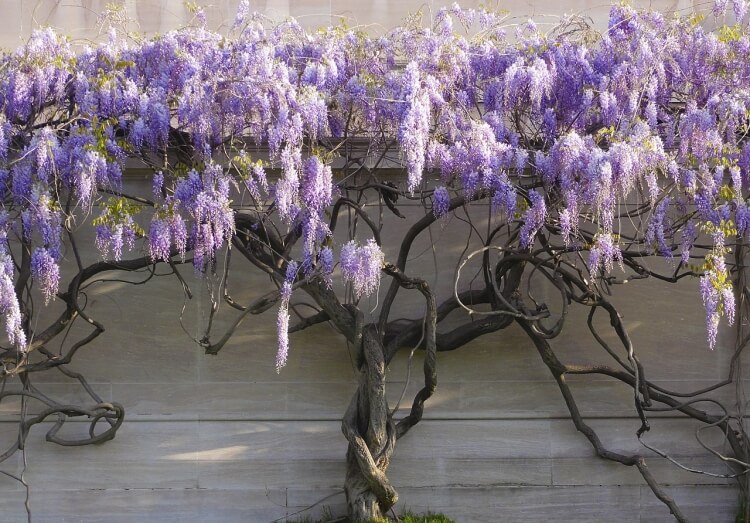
585 156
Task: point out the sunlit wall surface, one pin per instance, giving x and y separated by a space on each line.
80 18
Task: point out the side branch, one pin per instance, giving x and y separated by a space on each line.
430 358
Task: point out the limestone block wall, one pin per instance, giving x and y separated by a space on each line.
225 438
79 18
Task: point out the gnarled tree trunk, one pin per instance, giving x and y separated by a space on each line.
369 428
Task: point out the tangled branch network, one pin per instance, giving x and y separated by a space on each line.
593 152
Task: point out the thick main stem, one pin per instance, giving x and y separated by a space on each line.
369 429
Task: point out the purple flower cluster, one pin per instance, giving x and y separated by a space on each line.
533 219
282 326
46 272
361 265
603 254
113 238
589 125
440 202
282 322
716 289
213 227
164 233
414 128
711 302
657 234
317 185
10 311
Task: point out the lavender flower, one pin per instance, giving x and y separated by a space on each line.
243 10
566 225
440 202
736 175
282 326
179 233
316 185
46 272
10 311
187 189
159 239
740 9
728 300
414 126
711 303
656 231
689 234
533 219
157 185
720 7
291 272
603 254
325 258
361 266
504 199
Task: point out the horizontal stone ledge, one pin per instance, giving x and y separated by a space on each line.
146 418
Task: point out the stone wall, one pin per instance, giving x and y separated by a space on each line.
79 18
225 438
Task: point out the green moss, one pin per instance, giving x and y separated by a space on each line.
426 518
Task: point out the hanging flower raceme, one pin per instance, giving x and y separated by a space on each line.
167 230
604 252
204 200
213 227
9 308
414 127
361 265
46 272
116 227
527 83
282 321
440 202
657 233
326 262
533 219
10 311
716 289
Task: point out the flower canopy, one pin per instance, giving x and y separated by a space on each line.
557 129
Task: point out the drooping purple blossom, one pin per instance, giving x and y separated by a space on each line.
10 311
46 272
243 10
740 9
688 236
440 202
316 185
325 259
296 89
603 254
566 226
716 289
505 199
187 189
414 128
711 303
361 265
159 239
214 226
157 185
282 326
533 219
656 233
